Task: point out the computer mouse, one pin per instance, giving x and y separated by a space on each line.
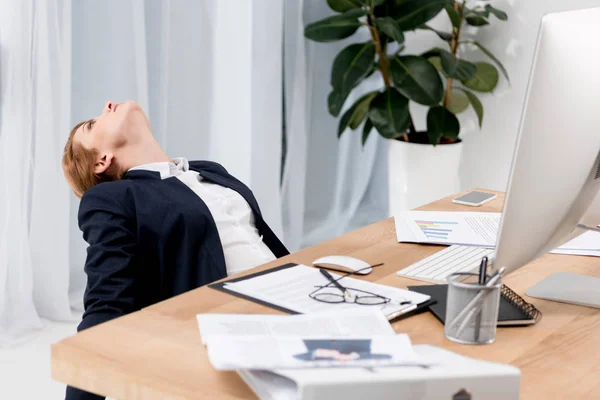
344 264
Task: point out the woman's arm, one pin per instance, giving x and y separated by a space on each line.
110 265
109 229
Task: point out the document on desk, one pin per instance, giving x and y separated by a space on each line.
588 240
290 288
448 372
473 229
276 352
447 228
357 322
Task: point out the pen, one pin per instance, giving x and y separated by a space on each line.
482 279
483 270
336 283
398 313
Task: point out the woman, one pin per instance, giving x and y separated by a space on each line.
156 227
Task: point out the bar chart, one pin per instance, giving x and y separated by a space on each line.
436 229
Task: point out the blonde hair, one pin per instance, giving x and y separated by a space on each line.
78 166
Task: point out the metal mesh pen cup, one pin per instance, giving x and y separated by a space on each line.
471 310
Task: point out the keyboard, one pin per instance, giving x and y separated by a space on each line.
437 267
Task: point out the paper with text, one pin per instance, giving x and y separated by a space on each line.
473 229
269 352
290 288
442 227
357 322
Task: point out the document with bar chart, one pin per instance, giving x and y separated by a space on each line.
443 227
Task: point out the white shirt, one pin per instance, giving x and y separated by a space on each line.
243 247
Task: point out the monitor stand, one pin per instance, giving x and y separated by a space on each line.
566 287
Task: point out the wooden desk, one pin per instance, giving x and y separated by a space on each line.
156 353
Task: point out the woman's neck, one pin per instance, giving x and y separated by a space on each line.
144 153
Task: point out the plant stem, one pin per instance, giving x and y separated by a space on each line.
454 48
384 62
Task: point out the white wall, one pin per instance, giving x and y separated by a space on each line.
488 153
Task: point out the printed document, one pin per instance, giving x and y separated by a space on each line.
589 240
290 288
277 352
358 322
448 371
473 229
443 227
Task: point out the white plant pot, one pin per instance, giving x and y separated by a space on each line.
420 173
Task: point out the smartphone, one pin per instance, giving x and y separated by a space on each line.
474 198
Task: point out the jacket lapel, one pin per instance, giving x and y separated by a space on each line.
232 183
207 171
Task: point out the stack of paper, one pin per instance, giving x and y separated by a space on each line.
450 376
473 229
286 357
360 338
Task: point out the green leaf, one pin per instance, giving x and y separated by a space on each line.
355 114
335 101
441 123
344 5
482 12
390 27
366 130
361 110
417 79
456 68
453 15
433 52
477 20
437 62
351 65
389 113
501 15
489 54
477 106
336 27
442 35
459 101
413 13
485 78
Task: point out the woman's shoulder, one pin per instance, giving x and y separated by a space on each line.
107 194
116 188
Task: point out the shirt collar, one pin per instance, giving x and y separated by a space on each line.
165 169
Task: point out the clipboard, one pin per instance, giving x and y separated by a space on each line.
221 286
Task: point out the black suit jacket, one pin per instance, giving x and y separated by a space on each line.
151 239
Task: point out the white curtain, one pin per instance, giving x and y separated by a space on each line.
218 79
35 68
330 186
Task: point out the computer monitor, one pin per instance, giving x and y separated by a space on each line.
555 175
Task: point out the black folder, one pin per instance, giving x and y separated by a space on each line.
514 311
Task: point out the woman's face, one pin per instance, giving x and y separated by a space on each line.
119 125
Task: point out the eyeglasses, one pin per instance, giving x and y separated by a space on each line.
326 294
329 294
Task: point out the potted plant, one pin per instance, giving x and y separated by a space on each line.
438 79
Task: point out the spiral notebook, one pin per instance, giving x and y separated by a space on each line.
514 310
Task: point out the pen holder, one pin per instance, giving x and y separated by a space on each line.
472 310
